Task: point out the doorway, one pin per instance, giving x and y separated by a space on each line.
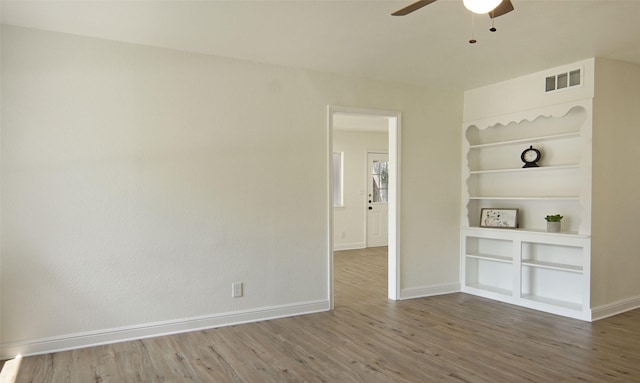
391 192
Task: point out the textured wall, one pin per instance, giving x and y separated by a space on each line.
139 183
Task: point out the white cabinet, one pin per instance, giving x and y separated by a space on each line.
588 135
528 266
543 271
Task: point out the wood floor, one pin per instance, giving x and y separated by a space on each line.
367 338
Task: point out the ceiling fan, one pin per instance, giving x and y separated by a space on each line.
494 8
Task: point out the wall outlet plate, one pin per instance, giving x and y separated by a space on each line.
236 289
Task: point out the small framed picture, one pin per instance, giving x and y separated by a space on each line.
500 218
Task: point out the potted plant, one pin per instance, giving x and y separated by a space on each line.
553 223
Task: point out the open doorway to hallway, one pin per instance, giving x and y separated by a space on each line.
364 148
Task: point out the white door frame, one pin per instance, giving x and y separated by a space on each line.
394 194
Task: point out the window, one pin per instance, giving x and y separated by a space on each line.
380 179
337 179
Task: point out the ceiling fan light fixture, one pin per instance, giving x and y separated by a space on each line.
481 6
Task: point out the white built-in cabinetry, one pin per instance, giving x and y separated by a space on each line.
529 266
588 133
493 176
543 271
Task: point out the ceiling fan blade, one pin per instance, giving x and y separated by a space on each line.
413 7
504 7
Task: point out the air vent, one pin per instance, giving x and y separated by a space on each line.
563 80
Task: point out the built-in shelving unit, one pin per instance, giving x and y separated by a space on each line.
586 134
529 266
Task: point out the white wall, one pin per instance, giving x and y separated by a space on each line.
616 182
139 183
526 93
350 218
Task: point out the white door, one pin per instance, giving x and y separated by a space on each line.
378 199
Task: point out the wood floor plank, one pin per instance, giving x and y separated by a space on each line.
368 338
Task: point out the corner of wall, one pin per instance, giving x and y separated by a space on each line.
615 185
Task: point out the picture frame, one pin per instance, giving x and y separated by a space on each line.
499 218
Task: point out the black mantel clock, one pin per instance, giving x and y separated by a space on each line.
530 157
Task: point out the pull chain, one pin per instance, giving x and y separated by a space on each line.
473 23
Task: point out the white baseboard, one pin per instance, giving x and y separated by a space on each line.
348 246
96 338
428 291
615 308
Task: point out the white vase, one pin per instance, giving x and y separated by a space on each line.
553 227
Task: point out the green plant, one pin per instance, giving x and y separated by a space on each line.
553 218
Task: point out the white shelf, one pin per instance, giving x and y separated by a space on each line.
562 233
491 257
553 266
523 231
528 170
553 302
491 289
522 198
527 140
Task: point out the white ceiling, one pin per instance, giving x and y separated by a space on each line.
356 37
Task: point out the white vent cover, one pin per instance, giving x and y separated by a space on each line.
563 80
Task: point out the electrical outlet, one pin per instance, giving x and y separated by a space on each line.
236 289
343 234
